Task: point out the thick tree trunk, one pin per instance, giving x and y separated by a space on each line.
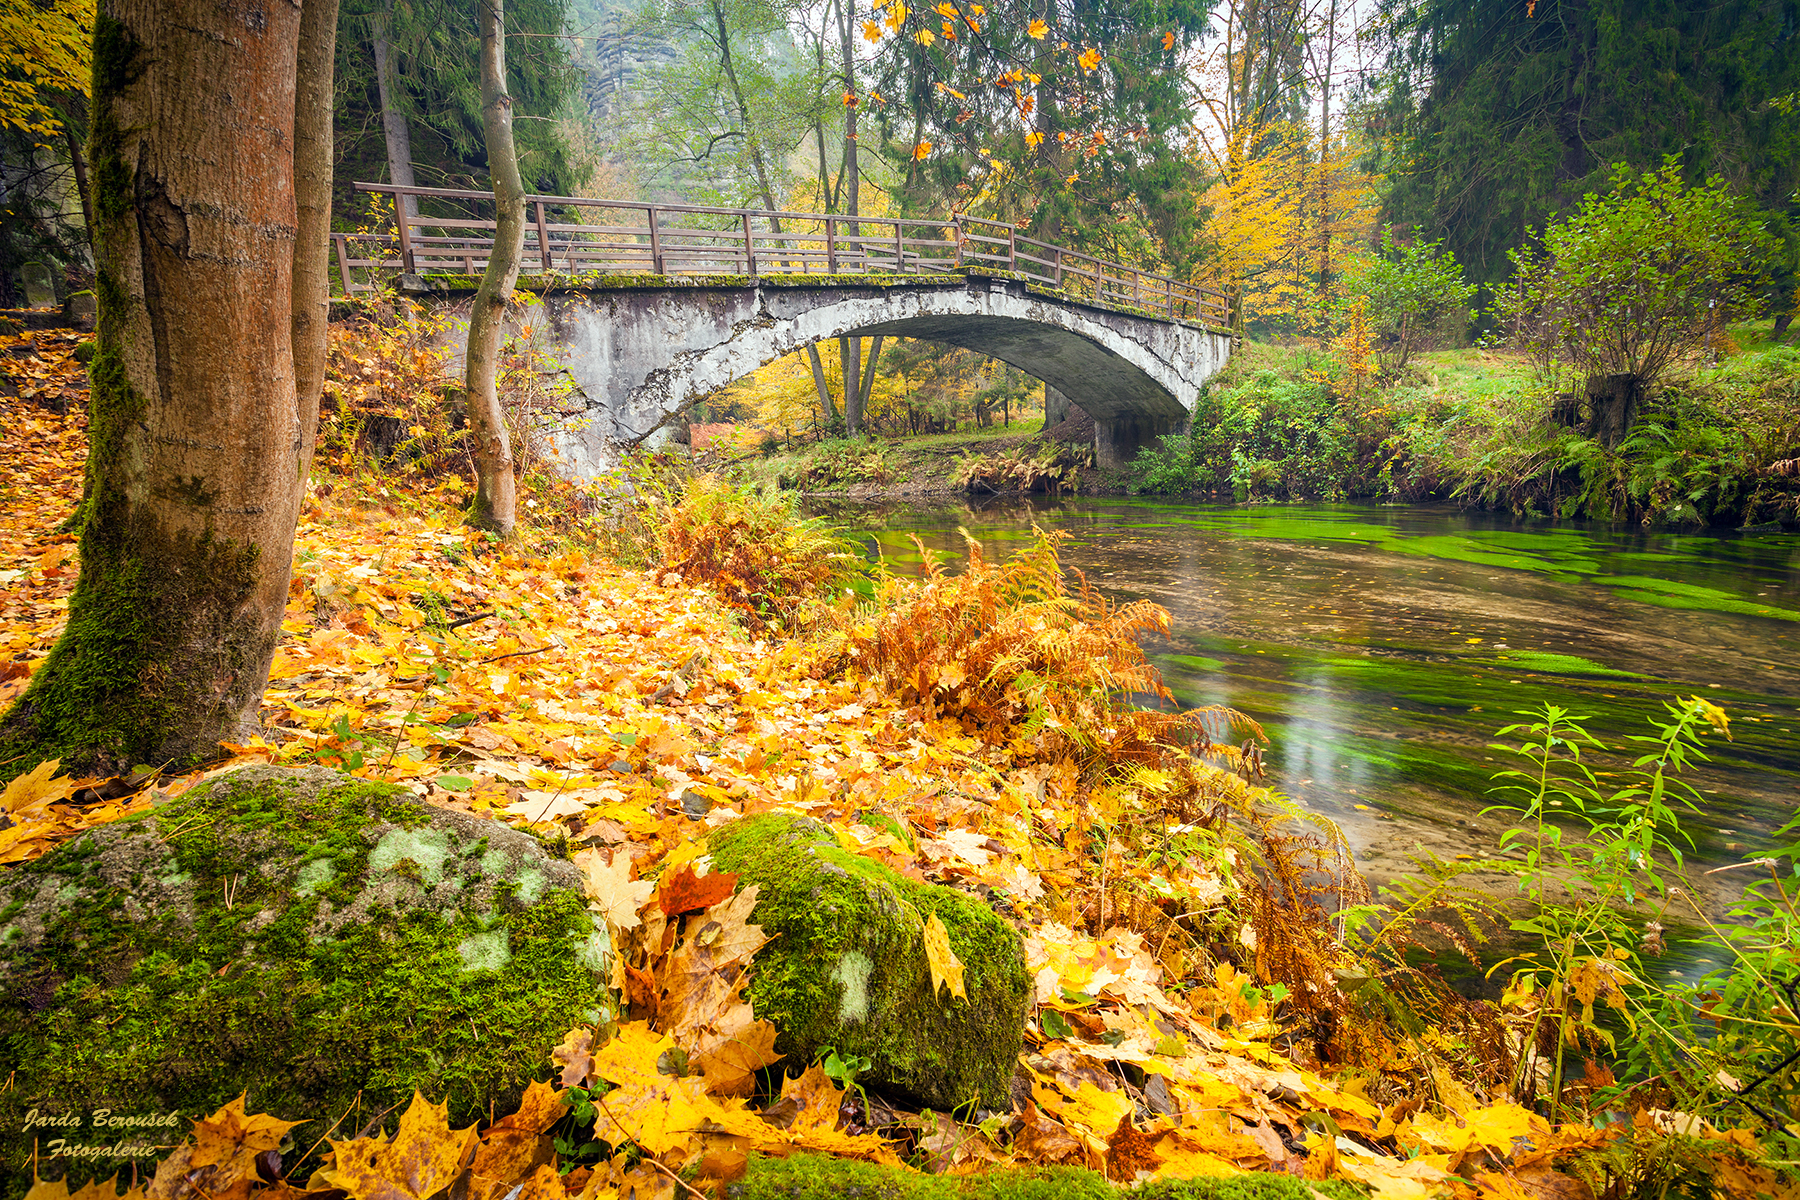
1612 407
393 119
494 486
195 468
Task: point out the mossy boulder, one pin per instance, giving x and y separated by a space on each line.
301 935
847 967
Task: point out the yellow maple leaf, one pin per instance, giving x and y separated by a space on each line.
1037 29
1168 42
611 891
946 968
29 794
921 150
871 31
231 1134
424 1156
924 37
1089 59
1034 138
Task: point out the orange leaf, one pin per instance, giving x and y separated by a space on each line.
687 891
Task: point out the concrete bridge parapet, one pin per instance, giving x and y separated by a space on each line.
639 349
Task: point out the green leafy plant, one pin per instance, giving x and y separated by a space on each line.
1416 295
1581 884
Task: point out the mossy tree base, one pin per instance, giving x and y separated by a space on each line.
327 944
847 968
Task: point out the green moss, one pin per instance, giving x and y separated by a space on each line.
848 966
157 996
815 1177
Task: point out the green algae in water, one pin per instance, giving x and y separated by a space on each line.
1667 593
1193 662
1564 664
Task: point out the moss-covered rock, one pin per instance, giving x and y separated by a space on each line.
301 935
847 968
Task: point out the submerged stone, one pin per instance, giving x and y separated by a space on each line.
847 967
301 935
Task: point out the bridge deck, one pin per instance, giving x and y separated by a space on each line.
614 237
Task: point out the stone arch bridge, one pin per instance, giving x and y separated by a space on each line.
641 345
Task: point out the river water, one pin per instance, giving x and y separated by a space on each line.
1382 647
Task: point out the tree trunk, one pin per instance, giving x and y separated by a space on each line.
818 370
1612 407
868 379
850 360
492 508
312 209
195 467
79 164
393 118
849 174
757 162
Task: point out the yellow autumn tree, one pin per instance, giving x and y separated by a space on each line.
1281 218
44 50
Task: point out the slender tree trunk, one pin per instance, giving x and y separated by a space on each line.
868 379
757 161
312 210
79 163
492 508
818 370
393 117
195 467
850 177
850 360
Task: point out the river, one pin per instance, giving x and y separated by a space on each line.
1382 647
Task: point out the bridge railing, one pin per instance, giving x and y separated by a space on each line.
615 237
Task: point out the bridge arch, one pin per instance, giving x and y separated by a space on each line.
639 352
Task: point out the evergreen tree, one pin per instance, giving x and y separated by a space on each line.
1498 115
435 84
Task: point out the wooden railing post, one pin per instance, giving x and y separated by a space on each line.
899 249
656 255
1058 268
406 250
1012 247
956 237
343 257
831 245
749 247
543 237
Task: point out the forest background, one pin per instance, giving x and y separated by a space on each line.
1311 158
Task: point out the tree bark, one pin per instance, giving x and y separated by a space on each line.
493 506
393 119
819 382
312 209
1612 407
850 360
195 467
868 379
79 164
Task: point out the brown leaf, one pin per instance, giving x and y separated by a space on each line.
515 1145
1128 1153
575 1056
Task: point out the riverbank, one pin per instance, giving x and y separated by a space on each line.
1195 1012
1715 445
